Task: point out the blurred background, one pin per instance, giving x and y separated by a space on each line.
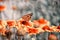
15 9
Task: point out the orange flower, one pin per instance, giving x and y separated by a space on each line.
11 23
46 28
2 7
32 30
42 21
23 22
52 37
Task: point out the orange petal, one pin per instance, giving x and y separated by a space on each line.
10 23
46 28
32 30
58 27
26 23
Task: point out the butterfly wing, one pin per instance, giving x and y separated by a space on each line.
27 17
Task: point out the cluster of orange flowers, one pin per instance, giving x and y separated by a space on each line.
23 26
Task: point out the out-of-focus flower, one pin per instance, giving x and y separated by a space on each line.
52 37
2 7
41 22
